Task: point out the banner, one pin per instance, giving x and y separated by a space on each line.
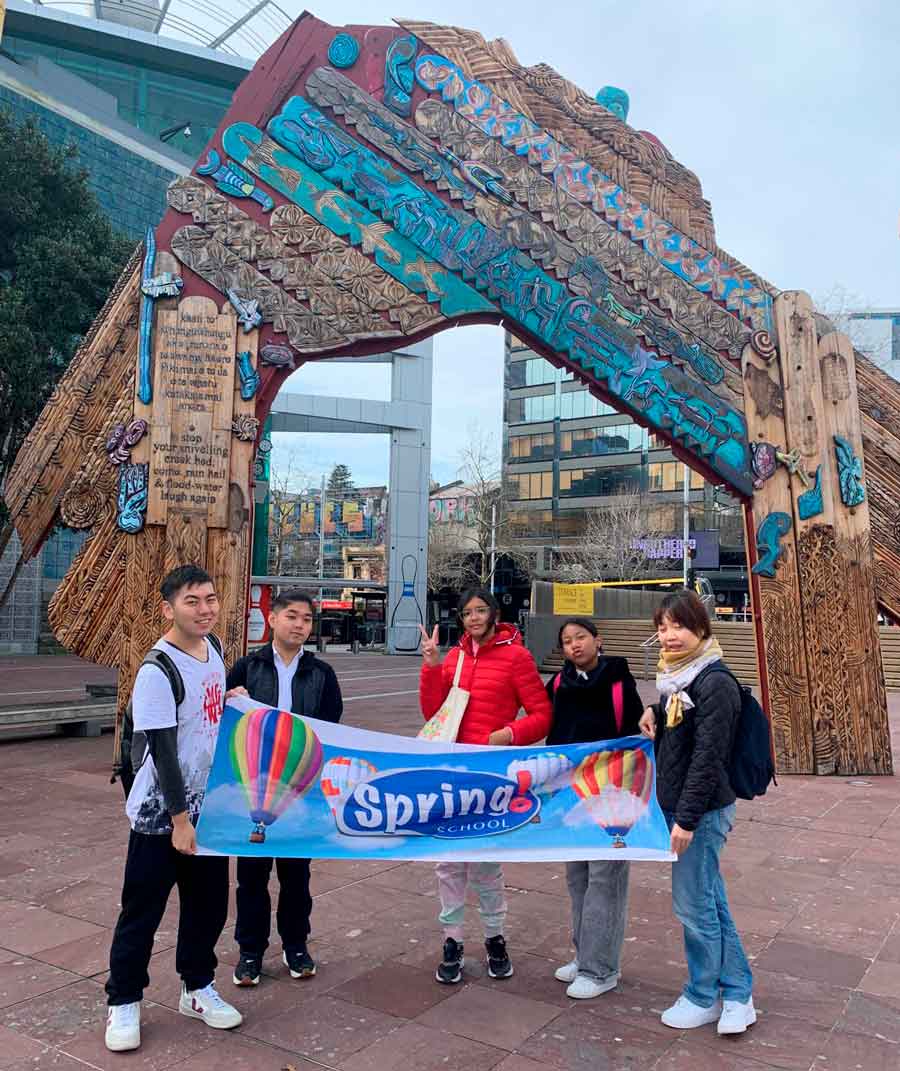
287 786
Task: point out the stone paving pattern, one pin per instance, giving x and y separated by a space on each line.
813 872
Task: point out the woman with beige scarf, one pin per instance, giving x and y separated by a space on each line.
694 726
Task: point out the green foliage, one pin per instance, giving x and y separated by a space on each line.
340 479
59 258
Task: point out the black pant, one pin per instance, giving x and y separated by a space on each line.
152 868
254 908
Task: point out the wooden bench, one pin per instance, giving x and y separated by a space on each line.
79 718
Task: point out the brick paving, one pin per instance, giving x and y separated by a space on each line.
814 879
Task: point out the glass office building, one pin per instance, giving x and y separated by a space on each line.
565 452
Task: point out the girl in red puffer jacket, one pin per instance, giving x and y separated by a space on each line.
500 677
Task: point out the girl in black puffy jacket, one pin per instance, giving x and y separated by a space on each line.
594 698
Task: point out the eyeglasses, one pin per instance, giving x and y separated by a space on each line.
476 611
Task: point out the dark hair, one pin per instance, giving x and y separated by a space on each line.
287 598
486 597
581 622
685 609
185 576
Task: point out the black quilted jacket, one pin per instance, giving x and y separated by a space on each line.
692 758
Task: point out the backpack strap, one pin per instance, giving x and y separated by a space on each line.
556 682
162 661
217 644
618 697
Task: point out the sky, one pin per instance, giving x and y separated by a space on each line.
787 112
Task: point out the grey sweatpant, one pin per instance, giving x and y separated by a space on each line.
599 892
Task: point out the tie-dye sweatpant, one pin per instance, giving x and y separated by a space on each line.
485 879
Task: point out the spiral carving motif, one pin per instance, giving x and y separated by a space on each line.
245 428
343 50
81 505
763 343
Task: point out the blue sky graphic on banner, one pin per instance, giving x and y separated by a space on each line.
282 785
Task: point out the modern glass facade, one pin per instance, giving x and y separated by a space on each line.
150 98
565 451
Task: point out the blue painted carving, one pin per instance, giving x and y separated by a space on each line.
132 501
166 284
249 376
849 473
343 50
482 177
703 364
145 328
764 462
768 542
810 504
399 77
615 100
233 180
248 312
661 392
321 199
700 267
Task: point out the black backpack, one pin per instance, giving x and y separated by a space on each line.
132 749
750 768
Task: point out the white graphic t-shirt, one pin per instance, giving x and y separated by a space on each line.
198 726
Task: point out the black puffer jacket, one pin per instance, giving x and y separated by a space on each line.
583 707
315 691
692 758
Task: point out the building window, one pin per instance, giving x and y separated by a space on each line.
590 442
581 403
543 407
526 485
669 476
581 483
531 447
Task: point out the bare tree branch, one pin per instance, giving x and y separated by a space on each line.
608 551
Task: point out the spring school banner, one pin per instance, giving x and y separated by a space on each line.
286 786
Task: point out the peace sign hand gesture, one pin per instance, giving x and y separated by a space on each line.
431 655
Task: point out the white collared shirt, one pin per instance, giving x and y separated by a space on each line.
285 671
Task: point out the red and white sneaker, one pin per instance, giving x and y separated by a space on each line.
206 1004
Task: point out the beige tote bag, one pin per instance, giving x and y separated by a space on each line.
443 725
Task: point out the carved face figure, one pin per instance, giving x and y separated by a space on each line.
764 462
615 100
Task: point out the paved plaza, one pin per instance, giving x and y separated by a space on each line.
814 879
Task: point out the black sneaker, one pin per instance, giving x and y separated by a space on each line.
299 962
248 970
450 970
498 963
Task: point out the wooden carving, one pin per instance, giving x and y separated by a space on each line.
423 180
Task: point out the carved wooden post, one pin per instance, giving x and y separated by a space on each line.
824 536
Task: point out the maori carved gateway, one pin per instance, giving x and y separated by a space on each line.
371 186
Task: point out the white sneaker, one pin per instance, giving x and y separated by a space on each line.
583 988
685 1015
123 1027
736 1017
567 973
206 1004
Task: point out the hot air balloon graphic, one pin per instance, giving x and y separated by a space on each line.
616 787
340 776
543 774
276 757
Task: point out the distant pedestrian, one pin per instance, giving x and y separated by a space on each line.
281 674
500 677
694 728
594 698
163 806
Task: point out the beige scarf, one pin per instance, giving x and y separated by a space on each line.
676 671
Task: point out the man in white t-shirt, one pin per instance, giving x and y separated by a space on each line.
163 806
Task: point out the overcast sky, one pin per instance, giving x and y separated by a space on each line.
786 111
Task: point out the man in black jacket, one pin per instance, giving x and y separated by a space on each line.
281 674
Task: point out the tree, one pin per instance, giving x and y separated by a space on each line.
490 538
610 548
447 548
287 481
839 304
59 258
340 479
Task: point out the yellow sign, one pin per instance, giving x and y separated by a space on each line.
573 599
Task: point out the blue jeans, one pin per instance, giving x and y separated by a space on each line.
716 960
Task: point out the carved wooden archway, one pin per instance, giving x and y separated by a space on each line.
371 186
